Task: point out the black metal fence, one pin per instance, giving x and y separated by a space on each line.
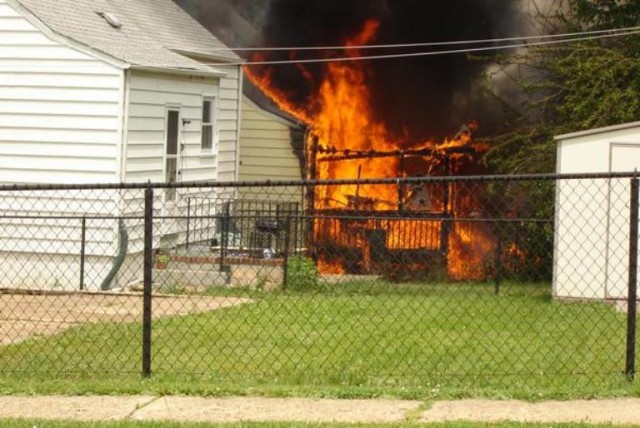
387 283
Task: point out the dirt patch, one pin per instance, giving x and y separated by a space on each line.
23 315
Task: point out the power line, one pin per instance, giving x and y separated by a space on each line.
428 53
595 35
430 44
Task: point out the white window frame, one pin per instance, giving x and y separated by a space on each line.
212 123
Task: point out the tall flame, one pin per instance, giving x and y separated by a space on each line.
344 129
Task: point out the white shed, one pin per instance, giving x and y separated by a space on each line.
109 91
591 252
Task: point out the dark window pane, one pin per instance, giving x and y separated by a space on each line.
172 132
206 112
207 137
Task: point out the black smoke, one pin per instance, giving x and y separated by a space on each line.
423 96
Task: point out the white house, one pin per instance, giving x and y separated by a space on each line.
591 254
107 91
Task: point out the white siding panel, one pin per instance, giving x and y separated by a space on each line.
15 24
52 66
60 120
61 94
33 121
105 151
230 106
40 52
59 108
5 10
83 138
149 124
49 80
42 107
150 96
19 38
58 163
44 176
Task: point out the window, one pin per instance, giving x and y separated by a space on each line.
209 127
171 152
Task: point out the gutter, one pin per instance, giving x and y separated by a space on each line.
179 71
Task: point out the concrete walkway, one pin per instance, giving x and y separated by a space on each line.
220 410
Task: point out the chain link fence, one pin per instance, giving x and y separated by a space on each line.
388 283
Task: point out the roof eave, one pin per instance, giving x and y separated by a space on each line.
596 131
221 60
179 71
275 116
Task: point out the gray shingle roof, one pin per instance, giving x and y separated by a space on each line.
152 32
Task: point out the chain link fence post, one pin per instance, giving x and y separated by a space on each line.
83 244
148 278
633 282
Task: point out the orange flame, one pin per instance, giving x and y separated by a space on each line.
343 124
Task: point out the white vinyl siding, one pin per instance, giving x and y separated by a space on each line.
150 96
60 122
228 122
60 109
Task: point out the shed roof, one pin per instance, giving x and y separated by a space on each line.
597 131
154 33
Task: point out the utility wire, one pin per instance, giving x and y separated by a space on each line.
430 44
567 38
428 53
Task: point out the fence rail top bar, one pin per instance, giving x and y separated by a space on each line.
305 183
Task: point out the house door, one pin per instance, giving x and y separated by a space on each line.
171 163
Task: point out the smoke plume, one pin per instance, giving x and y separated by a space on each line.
420 97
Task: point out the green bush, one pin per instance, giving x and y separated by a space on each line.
302 274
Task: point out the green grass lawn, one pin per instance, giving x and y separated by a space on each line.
358 340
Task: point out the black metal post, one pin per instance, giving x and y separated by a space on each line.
224 234
148 278
400 185
188 220
447 222
311 200
285 266
498 266
83 240
633 282
296 223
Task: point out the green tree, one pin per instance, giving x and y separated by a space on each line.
572 87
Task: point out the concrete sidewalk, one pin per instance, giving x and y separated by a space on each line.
236 409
